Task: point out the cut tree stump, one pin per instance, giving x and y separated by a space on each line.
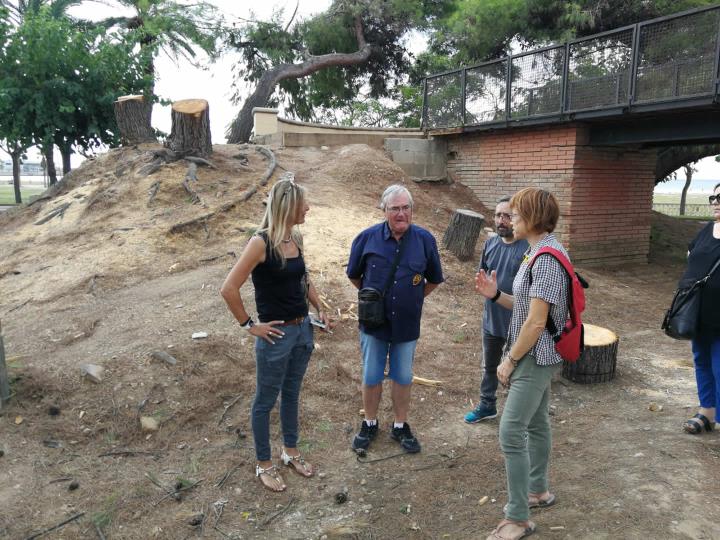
462 233
597 362
190 132
133 116
4 381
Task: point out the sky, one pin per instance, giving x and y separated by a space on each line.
183 81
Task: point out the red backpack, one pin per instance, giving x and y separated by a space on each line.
570 341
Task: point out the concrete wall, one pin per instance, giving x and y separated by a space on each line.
605 193
269 128
424 159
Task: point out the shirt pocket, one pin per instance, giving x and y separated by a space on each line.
416 271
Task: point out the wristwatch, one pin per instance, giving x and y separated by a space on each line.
512 360
247 325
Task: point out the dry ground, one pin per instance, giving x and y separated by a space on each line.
108 284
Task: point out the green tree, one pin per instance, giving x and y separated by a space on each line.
59 84
327 60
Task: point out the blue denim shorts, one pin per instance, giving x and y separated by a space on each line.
375 354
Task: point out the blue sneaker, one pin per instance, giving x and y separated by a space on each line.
480 413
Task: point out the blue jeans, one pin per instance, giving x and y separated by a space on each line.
280 370
492 354
706 351
375 353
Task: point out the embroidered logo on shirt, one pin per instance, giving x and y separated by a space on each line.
417 278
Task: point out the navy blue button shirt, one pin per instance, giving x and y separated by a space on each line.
371 259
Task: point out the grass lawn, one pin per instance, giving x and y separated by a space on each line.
7 195
674 198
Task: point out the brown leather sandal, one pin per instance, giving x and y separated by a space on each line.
511 530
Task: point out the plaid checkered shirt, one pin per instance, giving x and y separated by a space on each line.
549 283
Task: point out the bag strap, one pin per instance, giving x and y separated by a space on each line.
567 266
398 254
710 273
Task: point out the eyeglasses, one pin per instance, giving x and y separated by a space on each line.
503 216
714 199
397 209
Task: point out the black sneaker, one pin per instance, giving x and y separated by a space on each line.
406 439
365 436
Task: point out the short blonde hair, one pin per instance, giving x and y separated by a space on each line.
537 207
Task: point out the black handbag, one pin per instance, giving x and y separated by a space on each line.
371 302
682 319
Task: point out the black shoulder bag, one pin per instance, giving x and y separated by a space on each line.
371 302
682 319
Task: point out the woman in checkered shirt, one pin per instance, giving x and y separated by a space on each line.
530 359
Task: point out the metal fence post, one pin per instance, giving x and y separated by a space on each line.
423 114
508 83
463 81
717 62
566 71
634 65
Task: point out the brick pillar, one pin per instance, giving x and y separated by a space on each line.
605 193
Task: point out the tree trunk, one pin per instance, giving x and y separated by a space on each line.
683 196
15 155
190 133
598 360
462 233
66 152
48 152
133 115
241 128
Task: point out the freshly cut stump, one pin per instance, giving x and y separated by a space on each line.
462 233
598 360
133 115
190 132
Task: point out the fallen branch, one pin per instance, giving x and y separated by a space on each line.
100 534
220 483
426 382
279 512
271 167
59 211
39 199
216 257
228 407
127 453
56 527
164 357
18 307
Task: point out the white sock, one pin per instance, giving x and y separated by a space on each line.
398 425
371 423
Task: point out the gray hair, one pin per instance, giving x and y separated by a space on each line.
504 198
392 191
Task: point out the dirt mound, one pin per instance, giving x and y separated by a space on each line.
116 264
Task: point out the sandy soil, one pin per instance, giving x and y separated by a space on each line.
108 283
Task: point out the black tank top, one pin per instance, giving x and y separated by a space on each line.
279 290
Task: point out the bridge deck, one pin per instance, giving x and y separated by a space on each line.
666 64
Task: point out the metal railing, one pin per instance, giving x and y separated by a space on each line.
691 209
653 64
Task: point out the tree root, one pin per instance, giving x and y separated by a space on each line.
202 220
191 176
59 211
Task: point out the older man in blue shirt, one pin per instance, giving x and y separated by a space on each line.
418 273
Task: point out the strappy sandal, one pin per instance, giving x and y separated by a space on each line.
273 473
297 462
697 423
534 502
502 531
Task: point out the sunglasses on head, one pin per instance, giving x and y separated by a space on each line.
713 199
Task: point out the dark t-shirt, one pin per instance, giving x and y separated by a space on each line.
704 251
279 290
505 259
